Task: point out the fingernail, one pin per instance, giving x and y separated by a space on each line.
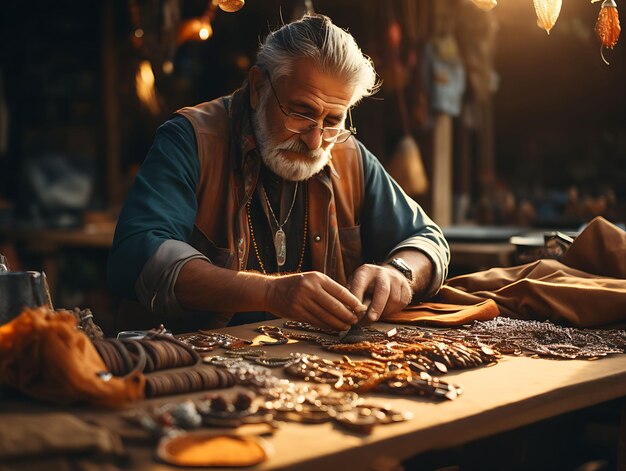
372 315
359 311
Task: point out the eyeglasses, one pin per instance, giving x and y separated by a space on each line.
300 124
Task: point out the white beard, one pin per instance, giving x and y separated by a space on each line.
272 151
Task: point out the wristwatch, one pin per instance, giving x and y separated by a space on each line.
402 267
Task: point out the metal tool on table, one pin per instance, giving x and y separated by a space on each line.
20 289
355 333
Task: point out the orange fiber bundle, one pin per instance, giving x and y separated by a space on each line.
43 355
608 28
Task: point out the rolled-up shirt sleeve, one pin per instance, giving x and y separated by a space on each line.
150 245
392 221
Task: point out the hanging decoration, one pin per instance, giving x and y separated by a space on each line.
485 4
547 13
231 5
607 26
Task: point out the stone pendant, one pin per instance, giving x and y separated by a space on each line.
280 244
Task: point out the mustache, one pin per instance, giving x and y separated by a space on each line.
294 144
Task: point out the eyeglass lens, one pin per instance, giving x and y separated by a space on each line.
302 124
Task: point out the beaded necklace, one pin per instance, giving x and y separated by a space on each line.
304 237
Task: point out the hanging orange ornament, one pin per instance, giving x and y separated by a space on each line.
547 13
485 4
231 5
607 26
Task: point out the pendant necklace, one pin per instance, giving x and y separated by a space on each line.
280 240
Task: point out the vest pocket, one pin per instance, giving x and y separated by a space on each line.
217 255
351 251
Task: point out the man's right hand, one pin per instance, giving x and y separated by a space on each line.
314 298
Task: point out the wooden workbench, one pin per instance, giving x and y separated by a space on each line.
516 392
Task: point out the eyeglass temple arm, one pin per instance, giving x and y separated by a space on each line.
352 129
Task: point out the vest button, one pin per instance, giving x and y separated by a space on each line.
317 238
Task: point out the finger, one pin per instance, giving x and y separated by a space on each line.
364 319
379 299
318 316
359 283
350 302
333 312
304 314
397 296
322 305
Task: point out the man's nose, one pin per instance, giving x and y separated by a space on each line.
312 138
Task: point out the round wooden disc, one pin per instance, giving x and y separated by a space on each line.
210 449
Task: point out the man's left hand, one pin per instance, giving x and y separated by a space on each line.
387 288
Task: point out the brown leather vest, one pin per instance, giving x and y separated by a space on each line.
227 181
335 197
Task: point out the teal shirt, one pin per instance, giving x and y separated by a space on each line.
162 206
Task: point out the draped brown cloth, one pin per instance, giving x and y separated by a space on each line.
43 355
586 288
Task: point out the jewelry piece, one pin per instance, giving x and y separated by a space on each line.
367 375
273 332
280 240
431 352
206 341
304 237
541 339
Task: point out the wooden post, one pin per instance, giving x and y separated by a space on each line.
442 170
442 135
111 105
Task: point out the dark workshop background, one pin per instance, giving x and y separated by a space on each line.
540 141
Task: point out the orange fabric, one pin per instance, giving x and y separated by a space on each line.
445 314
42 354
586 289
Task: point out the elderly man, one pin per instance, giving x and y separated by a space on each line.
264 204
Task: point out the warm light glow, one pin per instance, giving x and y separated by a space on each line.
195 29
139 33
485 4
145 71
168 67
243 62
144 85
204 34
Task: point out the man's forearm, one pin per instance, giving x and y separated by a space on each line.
202 286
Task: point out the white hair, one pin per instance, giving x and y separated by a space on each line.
334 51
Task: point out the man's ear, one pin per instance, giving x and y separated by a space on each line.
255 76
